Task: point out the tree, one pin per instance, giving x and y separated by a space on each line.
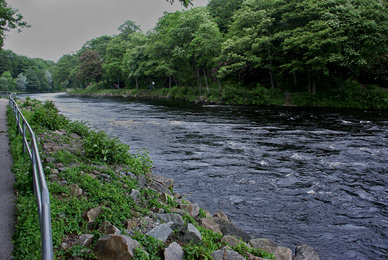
21 82
114 60
66 71
185 3
10 18
222 11
305 42
90 67
6 81
128 28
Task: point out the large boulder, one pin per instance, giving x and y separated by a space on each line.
228 228
170 217
190 233
211 225
161 232
173 252
305 252
113 247
166 182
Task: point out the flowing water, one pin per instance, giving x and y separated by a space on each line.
297 176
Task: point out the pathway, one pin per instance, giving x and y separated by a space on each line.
7 194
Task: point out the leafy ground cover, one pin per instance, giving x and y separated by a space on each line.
86 169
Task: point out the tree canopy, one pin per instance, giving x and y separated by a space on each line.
10 18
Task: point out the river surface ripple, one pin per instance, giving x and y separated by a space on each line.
298 176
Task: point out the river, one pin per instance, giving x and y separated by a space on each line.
297 176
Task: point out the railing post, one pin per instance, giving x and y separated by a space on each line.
24 137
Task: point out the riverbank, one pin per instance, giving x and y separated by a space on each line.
93 180
353 96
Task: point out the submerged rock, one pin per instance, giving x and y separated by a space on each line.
305 252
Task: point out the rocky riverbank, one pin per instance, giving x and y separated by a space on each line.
107 204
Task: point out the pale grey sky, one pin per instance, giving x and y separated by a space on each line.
62 26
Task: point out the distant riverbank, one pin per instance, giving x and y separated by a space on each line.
354 96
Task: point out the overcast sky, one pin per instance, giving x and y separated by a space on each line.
62 26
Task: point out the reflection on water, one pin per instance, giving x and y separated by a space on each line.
298 176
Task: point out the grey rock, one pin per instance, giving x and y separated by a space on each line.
85 240
141 180
108 229
170 217
260 243
92 214
113 247
232 241
282 253
134 194
190 234
75 190
75 136
270 246
53 177
161 232
173 252
305 252
166 182
228 228
225 254
50 159
192 209
160 188
222 215
210 224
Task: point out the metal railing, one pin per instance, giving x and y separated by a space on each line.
6 93
39 181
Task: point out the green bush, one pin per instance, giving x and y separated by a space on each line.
47 116
99 146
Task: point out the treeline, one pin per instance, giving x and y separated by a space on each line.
25 74
235 46
290 45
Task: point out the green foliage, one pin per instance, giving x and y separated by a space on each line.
243 250
353 95
47 116
10 19
151 245
99 146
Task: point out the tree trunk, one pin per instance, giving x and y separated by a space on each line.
137 82
309 82
207 85
219 86
295 81
270 71
169 81
198 78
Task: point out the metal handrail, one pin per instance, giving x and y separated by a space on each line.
39 181
6 93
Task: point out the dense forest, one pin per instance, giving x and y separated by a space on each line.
230 48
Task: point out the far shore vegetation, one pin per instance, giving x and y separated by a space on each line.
288 52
